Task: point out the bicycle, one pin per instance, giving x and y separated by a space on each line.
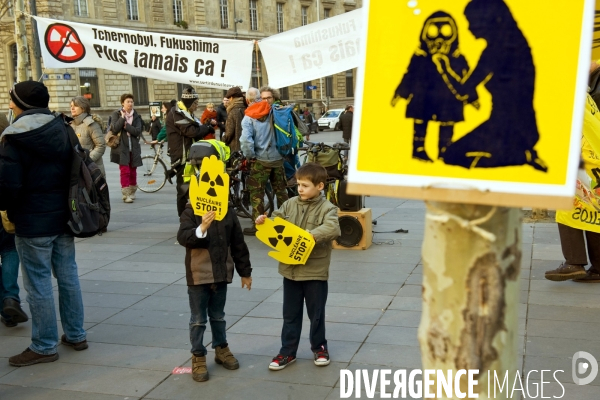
154 170
239 193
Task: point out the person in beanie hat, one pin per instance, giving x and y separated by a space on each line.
183 129
35 172
235 114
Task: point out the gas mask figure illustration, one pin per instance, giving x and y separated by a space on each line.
428 95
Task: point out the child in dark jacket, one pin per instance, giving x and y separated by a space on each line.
11 312
213 249
307 283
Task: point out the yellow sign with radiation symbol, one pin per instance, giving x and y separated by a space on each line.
210 191
468 90
292 244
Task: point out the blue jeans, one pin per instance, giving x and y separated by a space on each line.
41 257
9 288
207 298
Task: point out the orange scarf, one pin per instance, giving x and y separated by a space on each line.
258 110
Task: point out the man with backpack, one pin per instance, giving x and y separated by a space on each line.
183 129
35 169
259 145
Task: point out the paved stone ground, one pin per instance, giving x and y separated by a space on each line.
137 313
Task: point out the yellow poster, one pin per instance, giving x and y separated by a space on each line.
210 190
478 97
585 214
292 244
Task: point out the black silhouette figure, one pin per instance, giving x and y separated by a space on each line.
218 181
506 68
428 96
275 241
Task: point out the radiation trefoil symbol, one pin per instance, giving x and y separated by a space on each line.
275 240
63 43
292 244
211 191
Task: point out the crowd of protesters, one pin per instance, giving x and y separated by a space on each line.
35 170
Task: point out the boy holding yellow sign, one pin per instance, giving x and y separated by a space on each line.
312 212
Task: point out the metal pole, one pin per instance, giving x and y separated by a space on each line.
321 78
36 41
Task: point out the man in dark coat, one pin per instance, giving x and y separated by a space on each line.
222 116
346 123
183 129
35 169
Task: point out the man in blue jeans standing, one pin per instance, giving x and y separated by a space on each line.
35 164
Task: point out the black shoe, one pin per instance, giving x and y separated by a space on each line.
77 346
592 276
566 272
13 309
250 231
8 324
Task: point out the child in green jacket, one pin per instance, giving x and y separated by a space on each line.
312 212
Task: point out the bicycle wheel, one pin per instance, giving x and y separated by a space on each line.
154 174
236 193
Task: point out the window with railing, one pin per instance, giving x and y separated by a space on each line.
350 83
279 17
177 11
224 14
88 82
284 93
304 14
253 15
329 86
139 86
132 10
307 91
81 8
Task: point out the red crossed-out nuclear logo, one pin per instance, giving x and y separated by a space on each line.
63 43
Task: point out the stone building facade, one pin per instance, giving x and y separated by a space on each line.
232 19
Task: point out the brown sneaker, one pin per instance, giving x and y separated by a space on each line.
199 371
77 346
29 357
566 272
223 356
592 276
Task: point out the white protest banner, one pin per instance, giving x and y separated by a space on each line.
313 51
193 60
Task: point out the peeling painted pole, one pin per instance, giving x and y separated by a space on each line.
471 270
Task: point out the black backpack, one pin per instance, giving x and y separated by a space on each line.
89 202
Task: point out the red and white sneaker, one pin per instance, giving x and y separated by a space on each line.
280 362
322 357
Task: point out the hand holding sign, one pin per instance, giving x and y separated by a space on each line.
211 191
293 245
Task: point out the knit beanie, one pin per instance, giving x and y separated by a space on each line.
234 92
29 95
188 96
